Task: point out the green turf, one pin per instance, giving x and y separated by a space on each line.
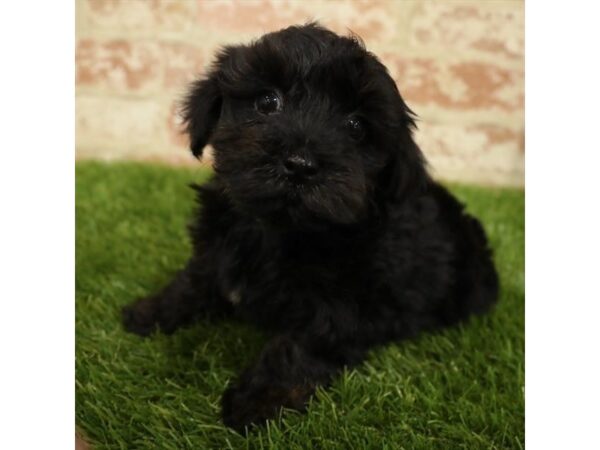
462 388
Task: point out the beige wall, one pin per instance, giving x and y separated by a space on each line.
459 65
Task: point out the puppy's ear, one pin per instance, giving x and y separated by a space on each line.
406 172
201 110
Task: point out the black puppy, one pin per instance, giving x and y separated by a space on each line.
320 224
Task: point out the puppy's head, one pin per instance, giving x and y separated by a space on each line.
307 127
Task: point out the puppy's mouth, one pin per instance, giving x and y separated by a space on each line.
299 204
295 190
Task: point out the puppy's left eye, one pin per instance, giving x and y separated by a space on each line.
356 128
268 103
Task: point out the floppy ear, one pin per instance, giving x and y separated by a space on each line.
201 111
405 175
406 172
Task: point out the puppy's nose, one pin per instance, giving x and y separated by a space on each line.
299 167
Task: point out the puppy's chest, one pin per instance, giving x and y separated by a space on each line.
294 273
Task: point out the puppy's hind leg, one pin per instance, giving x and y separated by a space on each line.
184 299
481 275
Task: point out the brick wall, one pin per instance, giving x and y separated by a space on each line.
459 65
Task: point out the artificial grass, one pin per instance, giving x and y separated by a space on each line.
462 388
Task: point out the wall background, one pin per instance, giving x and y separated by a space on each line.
458 63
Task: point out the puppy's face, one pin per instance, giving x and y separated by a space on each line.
307 128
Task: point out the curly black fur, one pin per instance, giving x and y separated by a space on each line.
321 222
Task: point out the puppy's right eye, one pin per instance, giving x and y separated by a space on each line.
268 103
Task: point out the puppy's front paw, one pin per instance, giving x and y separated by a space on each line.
243 406
140 317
